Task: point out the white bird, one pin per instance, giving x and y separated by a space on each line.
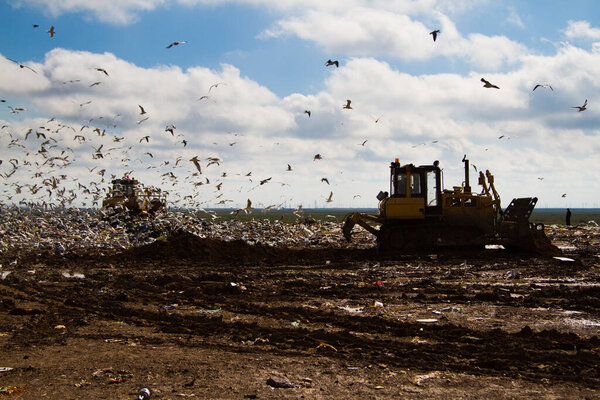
542 85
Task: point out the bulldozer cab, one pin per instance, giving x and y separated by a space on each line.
415 192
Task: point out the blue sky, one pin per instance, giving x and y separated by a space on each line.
270 57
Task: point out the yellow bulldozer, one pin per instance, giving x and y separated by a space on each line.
418 214
129 195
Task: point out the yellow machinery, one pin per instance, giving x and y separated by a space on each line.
128 194
419 214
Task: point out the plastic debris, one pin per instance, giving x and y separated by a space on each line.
209 311
144 394
564 259
5 369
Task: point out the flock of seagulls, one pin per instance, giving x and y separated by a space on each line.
46 153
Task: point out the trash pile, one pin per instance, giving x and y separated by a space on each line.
79 230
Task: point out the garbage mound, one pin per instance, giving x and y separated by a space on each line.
185 245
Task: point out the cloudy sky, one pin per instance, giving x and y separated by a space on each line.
237 86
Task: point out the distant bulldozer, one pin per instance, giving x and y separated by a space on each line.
419 214
127 194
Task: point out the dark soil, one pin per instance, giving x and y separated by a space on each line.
203 318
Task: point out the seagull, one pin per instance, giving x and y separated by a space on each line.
330 62
363 143
582 108
307 112
325 180
95 84
564 195
541 178
434 34
101 70
289 167
216 85
487 84
329 199
170 128
146 138
51 31
21 64
317 157
142 111
196 163
175 44
542 85
142 120
347 105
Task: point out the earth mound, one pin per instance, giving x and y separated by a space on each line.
185 245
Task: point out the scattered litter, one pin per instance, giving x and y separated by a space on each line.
279 382
209 311
10 390
4 274
75 275
427 320
5 369
296 324
378 304
352 309
144 394
564 259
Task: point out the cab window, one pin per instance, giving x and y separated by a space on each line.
415 185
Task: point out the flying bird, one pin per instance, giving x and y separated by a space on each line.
170 128
95 84
146 138
142 120
317 157
289 167
330 62
215 85
21 65
51 31
142 111
101 70
363 143
582 108
347 105
543 86
434 34
307 112
564 195
175 44
487 84
329 199
196 163
325 180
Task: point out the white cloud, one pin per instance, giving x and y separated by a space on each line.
379 32
113 12
581 30
420 118
514 19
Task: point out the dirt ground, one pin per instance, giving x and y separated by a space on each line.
201 318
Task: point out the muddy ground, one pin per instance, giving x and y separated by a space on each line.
200 318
